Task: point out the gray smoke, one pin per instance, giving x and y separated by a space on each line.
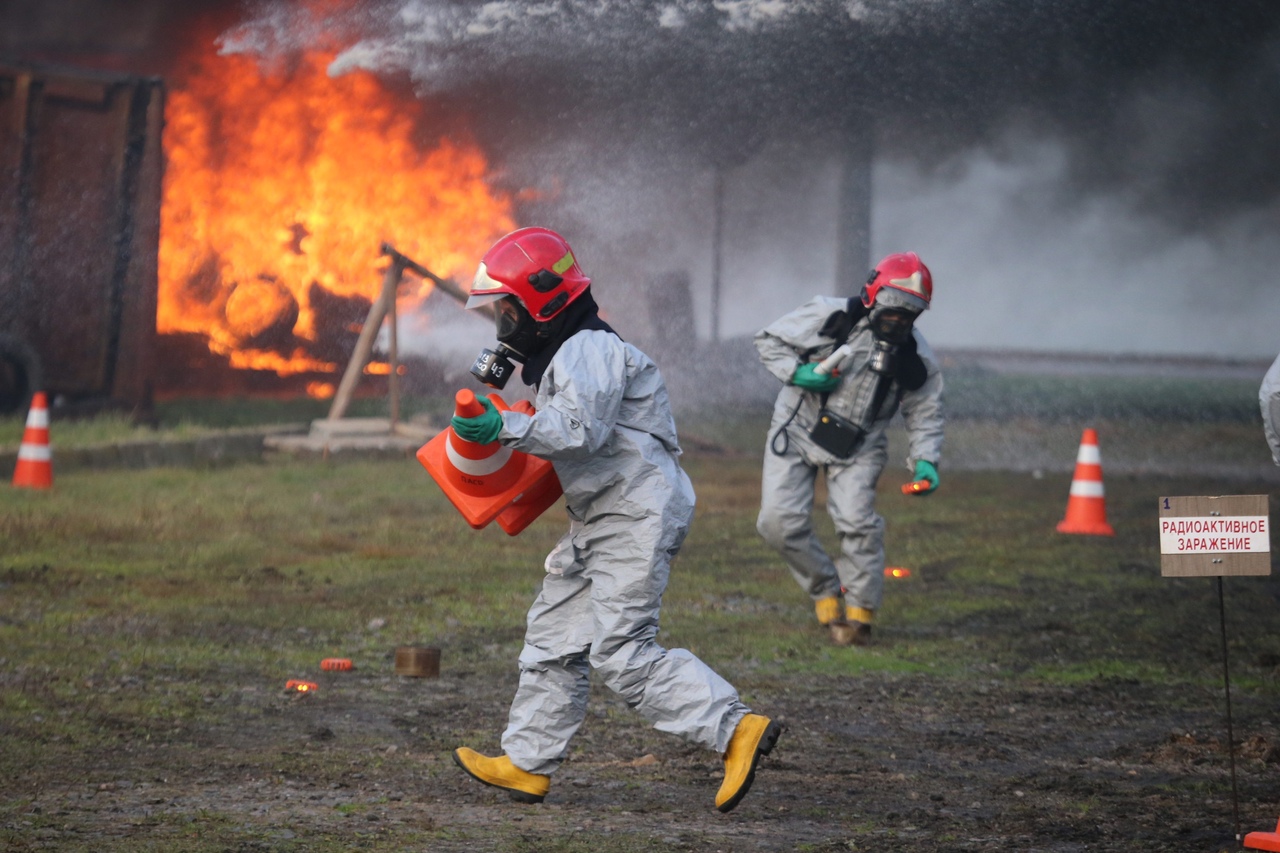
1080 174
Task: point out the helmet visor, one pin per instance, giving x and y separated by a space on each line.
478 299
485 289
891 296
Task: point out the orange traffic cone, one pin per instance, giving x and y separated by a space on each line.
481 480
1086 507
1263 840
535 501
35 459
540 494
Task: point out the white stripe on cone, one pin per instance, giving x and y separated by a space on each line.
35 453
476 467
1089 454
1087 489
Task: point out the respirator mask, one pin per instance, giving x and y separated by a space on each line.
493 367
518 338
892 319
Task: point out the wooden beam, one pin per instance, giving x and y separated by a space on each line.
384 303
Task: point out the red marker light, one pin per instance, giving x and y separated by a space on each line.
915 487
299 686
897 572
335 664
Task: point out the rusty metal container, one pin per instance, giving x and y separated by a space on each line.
80 183
418 661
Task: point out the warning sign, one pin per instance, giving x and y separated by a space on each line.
1207 536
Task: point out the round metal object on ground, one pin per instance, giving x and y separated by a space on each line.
418 661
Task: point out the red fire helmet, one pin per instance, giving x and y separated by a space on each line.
536 266
904 272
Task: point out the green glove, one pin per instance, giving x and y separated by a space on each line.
926 470
483 428
805 378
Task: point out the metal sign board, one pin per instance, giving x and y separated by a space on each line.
1214 536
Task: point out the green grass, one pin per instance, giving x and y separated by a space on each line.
305 555
977 395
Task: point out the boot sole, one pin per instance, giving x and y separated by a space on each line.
850 634
767 740
518 796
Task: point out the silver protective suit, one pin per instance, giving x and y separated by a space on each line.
604 421
1269 398
792 460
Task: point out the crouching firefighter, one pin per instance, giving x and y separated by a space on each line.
847 367
603 419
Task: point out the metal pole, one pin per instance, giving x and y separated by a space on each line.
853 224
716 252
1226 681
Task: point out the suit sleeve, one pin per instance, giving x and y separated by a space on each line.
794 339
1269 398
589 377
922 411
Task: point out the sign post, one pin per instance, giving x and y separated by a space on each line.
1213 537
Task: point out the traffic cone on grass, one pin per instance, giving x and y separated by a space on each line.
1087 506
1263 840
35 459
484 480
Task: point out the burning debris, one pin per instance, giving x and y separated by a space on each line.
282 184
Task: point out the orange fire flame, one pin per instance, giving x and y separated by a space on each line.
282 181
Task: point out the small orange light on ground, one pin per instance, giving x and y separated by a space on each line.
335 664
897 572
299 686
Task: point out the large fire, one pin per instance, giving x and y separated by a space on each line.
281 186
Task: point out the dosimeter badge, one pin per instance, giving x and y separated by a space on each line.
493 367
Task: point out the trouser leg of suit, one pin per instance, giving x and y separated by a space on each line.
611 597
851 495
551 700
786 522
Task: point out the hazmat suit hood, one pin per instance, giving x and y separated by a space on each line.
582 313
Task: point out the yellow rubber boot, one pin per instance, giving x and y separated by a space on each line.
828 609
859 614
523 786
754 737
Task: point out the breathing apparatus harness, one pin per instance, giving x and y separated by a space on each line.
894 357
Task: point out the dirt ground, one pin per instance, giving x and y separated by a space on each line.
873 762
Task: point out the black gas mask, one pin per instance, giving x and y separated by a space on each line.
892 324
891 327
517 333
892 318
517 329
519 336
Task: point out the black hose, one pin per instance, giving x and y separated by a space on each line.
782 431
